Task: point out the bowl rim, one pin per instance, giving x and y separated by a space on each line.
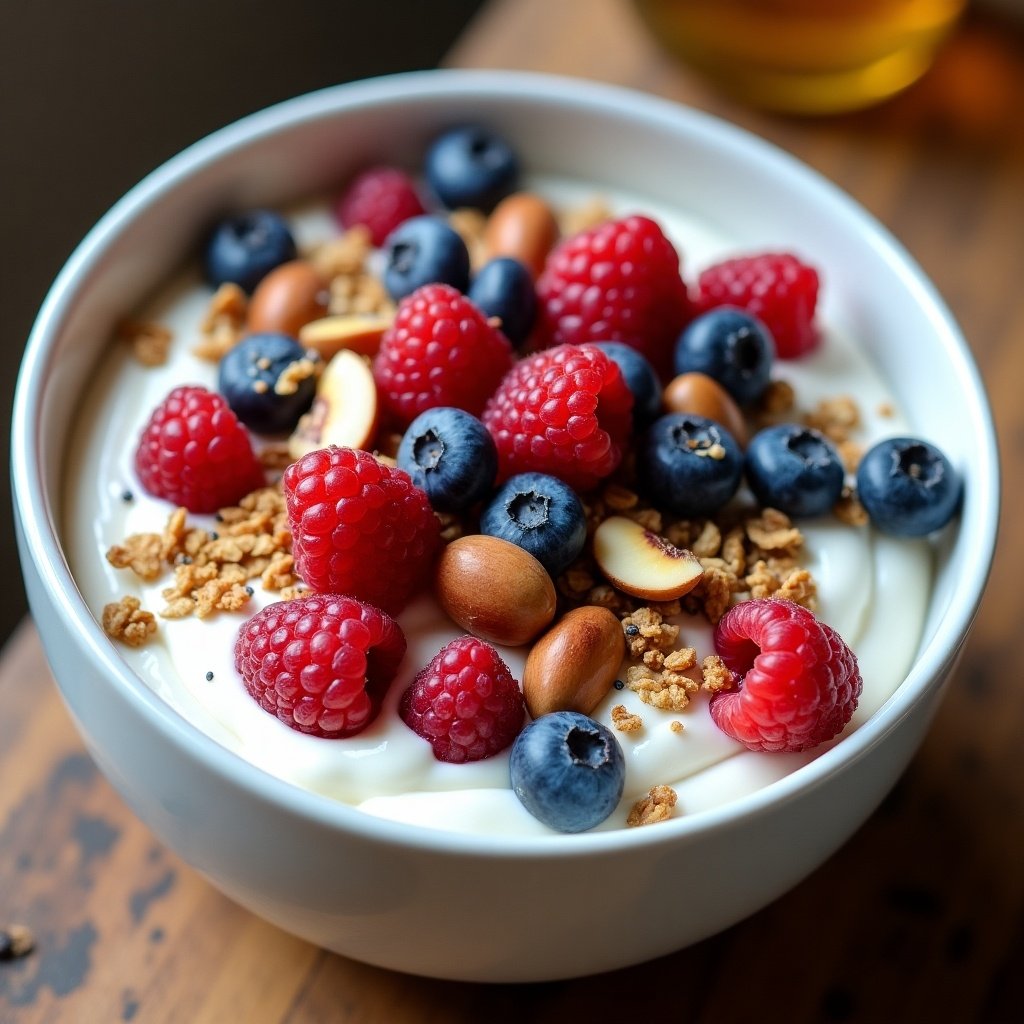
40 533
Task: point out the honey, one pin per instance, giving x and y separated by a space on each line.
804 56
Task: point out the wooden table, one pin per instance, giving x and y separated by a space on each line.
917 918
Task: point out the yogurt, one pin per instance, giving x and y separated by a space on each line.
872 589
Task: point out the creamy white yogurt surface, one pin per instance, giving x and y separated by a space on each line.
872 589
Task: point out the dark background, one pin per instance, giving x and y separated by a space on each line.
95 94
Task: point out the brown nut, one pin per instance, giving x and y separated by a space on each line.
701 395
522 226
573 665
494 589
642 563
288 297
356 331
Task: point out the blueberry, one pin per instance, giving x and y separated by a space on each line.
504 288
248 379
542 515
568 771
451 455
690 464
908 487
731 346
471 166
794 469
424 250
640 378
244 248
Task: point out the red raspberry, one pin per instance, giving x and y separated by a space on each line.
381 198
776 288
194 452
799 681
439 351
320 664
465 703
618 281
359 527
565 411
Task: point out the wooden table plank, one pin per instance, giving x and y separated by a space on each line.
918 918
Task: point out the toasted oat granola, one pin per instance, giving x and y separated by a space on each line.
656 806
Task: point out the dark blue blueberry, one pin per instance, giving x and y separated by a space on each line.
908 487
568 771
541 514
244 248
731 346
471 166
248 376
689 464
503 288
424 250
794 469
451 455
640 378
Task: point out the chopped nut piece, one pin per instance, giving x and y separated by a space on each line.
656 806
127 621
708 542
619 498
222 327
625 721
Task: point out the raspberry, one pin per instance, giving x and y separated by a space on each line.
194 452
380 198
320 664
618 281
776 288
799 681
465 703
565 411
359 527
439 351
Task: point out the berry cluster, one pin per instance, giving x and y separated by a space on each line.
518 388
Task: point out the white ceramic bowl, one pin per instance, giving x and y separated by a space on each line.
404 897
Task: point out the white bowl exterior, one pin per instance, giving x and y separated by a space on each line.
403 897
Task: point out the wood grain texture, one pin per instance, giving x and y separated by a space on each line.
917 918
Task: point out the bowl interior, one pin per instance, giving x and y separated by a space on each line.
611 137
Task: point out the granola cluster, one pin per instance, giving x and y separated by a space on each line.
656 806
747 553
353 288
211 571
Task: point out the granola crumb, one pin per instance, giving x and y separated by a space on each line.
294 374
835 417
656 806
849 510
140 552
126 620
223 324
471 226
716 675
625 721
886 410
676 726
150 341
275 456
667 691
645 630
579 218
778 399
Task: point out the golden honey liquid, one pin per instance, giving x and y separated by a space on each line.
804 56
